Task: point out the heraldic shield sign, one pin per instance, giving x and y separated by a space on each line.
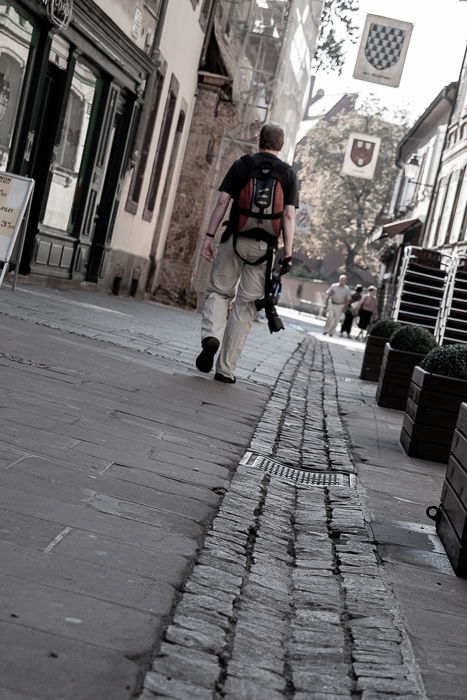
361 156
382 51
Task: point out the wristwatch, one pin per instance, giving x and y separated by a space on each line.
210 235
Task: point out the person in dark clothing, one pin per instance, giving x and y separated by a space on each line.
351 311
238 272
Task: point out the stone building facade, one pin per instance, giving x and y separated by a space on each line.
255 67
97 100
127 136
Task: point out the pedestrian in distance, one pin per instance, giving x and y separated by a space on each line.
337 298
367 312
263 191
351 311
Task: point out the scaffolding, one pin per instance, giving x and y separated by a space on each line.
272 43
268 46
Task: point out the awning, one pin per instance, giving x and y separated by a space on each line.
392 229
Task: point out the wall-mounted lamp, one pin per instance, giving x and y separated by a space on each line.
411 171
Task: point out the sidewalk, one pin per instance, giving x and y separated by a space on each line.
168 536
115 454
397 490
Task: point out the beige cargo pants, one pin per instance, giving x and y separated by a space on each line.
231 277
334 313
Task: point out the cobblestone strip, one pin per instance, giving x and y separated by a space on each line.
286 600
204 648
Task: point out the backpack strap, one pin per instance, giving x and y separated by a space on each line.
279 169
268 254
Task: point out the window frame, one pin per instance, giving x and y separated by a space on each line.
145 135
165 131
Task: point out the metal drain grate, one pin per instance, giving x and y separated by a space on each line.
298 476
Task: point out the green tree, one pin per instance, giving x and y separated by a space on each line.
345 210
337 28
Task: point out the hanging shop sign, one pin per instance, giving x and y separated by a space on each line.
382 52
361 156
59 11
15 198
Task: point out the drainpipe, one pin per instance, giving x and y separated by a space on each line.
159 29
209 25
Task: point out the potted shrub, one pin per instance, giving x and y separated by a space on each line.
379 334
437 389
451 516
406 348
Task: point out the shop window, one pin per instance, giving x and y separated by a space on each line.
161 150
16 38
439 206
463 229
444 194
457 181
148 124
64 190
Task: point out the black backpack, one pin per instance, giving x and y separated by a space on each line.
258 211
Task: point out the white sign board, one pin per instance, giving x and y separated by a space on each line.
382 52
361 156
15 196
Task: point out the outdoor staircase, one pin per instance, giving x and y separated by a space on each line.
422 288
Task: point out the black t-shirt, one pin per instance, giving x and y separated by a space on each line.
237 175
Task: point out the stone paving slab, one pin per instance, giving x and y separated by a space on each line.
288 582
41 665
112 464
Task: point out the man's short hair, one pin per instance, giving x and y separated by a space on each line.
271 137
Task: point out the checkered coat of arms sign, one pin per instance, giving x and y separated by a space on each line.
382 51
361 156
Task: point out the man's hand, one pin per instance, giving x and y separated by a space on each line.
285 265
209 249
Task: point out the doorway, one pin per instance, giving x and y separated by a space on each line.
109 197
42 155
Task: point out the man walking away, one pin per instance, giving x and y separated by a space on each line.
264 193
337 297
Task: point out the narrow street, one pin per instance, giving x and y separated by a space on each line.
168 536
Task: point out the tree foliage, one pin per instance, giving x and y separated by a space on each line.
337 28
345 209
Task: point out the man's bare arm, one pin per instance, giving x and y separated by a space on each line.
288 229
222 204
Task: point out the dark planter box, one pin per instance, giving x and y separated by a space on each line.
372 358
395 376
455 549
431 415
451 522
